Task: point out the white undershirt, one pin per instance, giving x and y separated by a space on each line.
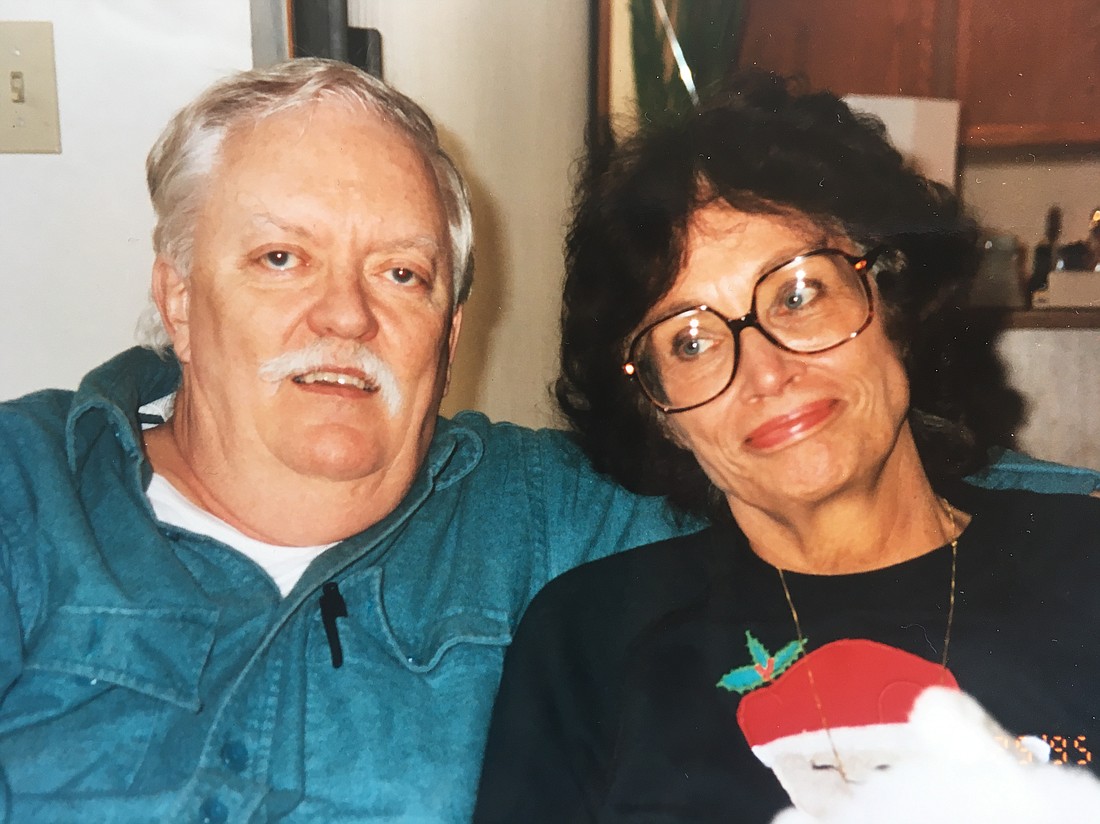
285 564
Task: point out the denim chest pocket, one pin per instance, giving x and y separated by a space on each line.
437 635
101 690
159 652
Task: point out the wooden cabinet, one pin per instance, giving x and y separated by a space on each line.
1026 71
849 46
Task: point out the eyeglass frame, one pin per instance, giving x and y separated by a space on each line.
861 264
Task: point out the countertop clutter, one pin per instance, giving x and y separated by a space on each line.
1068 274
1060 289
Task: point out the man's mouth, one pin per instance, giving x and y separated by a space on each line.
340 369
336 379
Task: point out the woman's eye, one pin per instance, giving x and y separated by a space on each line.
798 297
281 260
689 345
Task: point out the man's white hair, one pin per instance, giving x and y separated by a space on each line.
185 154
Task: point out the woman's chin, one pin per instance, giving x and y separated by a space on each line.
806 473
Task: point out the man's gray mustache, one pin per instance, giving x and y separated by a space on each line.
329 354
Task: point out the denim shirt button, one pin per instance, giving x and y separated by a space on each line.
213 811
235 755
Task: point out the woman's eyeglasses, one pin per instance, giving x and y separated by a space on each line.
811 303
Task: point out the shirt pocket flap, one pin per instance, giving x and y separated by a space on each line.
480 628
158 652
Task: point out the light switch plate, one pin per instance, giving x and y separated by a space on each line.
29 120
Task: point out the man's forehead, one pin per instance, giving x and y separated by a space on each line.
324 148
412 242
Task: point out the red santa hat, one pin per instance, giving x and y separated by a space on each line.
858 683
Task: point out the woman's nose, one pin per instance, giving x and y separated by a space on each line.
763 369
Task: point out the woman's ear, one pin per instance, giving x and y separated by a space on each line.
172 296
666 423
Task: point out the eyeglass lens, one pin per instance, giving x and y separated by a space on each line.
814 303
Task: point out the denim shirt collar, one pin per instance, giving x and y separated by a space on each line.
109 398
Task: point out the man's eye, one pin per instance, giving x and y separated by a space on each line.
403 275
281 260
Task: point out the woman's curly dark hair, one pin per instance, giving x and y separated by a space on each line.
764 147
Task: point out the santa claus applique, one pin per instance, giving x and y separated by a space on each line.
833 717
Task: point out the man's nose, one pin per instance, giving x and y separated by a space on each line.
763 369
343 308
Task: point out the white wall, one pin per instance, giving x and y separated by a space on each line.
1058 370
75 227
506 81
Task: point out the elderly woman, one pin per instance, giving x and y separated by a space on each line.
759 324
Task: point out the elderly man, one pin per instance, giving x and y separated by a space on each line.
288 595
290 599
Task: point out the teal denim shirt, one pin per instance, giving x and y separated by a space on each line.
151 674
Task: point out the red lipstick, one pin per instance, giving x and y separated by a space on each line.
783 428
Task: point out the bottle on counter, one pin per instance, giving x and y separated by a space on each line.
1043 259
1069 276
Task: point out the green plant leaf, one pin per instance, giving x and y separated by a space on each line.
650 74
708 31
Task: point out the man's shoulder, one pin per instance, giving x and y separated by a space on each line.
50 422
505 432
543 449
33 456
38 415
134 376
1016 470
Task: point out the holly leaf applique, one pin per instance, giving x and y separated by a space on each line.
764 668
759 653
788 655
741 680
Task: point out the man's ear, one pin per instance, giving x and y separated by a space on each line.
452 344
172 295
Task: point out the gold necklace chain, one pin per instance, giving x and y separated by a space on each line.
954 541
